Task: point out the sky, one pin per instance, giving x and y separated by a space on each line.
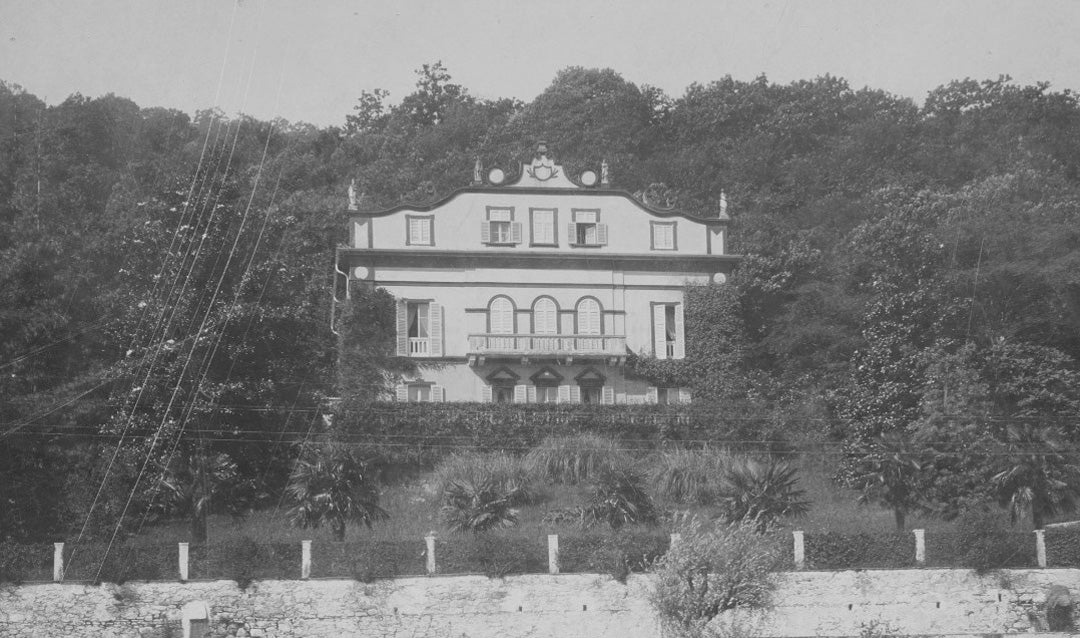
309 61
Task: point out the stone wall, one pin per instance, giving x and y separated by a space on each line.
569 606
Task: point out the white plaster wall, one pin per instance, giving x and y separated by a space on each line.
926 602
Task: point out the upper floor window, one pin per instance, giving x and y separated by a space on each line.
588 317
663 235
668 331
501 316
586 229
500 227
419 230
419 329
545 317
543 226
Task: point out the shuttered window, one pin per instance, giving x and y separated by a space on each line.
545 317
502 316
588 317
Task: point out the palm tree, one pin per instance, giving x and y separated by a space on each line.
331 485
888 470
479 506
763 491
197 481
619 498
1039 474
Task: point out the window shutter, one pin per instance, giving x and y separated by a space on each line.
684 395
402 392
659 336
571 233
564 394
436 348
485 232
402 329
652 395
680 340
607 395
575 394
520 394
530 394
486 394
438 393
601 234
515 232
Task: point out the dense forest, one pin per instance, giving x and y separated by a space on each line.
910 288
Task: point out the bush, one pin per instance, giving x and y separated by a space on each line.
244 560
617 554
1063 547
859 551
763 491
619 498
124 562
689 476
713 568
506 471
571 460
478 507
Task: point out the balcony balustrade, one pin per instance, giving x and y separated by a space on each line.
419 347
553 345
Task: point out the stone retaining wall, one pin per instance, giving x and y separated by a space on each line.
944 602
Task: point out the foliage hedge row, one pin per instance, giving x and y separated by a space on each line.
425 432
20 562
848 551
1063 547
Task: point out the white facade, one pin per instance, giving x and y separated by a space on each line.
535 291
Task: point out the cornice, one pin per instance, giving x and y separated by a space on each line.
532 259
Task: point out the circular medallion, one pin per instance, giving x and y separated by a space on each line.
361 272
588 178
719 278
496 176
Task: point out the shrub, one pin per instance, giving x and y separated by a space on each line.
1063 547
617 554
619 498
506 471
493 555
369 560
571 460
332 485
478 507
982 541
689 476
714 568
763 491
123 562
858 551
19 563
245 560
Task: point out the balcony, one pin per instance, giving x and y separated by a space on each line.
533 346
419 347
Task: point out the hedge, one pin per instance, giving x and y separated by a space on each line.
833 550
491 554
21 563
244 560
425 432
1062 547
981 550
616 554
368 560
97 562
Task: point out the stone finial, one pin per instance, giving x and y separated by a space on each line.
352 194
605 176
723 204
477 170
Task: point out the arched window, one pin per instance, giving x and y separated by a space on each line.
545 317
588 317
501 316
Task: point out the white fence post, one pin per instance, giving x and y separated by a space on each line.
920 546
553 553
305 560
799 549
58 562
1040 546
182 561
430 539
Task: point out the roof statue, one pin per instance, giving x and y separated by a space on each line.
352 194
478 168
605 178
723 204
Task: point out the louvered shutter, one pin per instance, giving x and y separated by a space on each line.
659 333
601 234
571 233
652 395
402 329
564 394
486 394
520 394
438 393
607 395
575 394
436 330
401 392
684 395
515 232
680 339
530 393
485 232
